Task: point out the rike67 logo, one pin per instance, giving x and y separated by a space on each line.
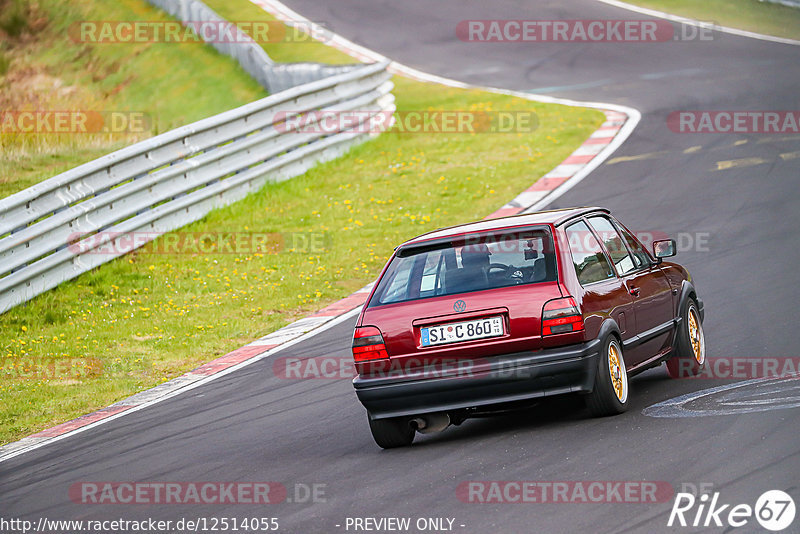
774 510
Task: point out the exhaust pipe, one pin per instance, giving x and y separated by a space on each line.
427 424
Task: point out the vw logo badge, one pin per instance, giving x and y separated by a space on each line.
460 306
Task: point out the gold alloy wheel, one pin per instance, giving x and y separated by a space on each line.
696 337
616 369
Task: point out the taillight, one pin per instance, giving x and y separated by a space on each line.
368 345
560 316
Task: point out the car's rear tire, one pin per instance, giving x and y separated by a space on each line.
611 390
391 433
690 347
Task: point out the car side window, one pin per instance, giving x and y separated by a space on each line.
591 264
431 283
399 286
640 255
612 241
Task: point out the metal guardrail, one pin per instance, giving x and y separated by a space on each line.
168 181
274 77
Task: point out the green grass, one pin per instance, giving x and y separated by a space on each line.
174 84
149 317
295 48
751 15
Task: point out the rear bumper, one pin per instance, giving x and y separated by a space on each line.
509 378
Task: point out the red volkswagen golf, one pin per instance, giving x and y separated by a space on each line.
488 316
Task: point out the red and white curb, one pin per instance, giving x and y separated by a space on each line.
252 352
620 122
535 195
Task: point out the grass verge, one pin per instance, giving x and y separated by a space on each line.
42 68
145 318
752 15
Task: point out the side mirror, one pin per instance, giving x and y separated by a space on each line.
664 248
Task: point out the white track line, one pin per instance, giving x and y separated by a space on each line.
281 11
292 18
266 354
699 24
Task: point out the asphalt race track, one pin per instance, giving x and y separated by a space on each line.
252 426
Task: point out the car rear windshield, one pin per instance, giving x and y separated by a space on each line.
468 263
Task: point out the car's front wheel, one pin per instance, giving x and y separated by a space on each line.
610 395
690 347
391 433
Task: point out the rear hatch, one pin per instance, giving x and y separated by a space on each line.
465 298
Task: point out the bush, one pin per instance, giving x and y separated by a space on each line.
14 15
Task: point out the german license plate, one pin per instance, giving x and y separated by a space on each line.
464 331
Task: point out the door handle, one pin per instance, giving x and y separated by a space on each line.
634 291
